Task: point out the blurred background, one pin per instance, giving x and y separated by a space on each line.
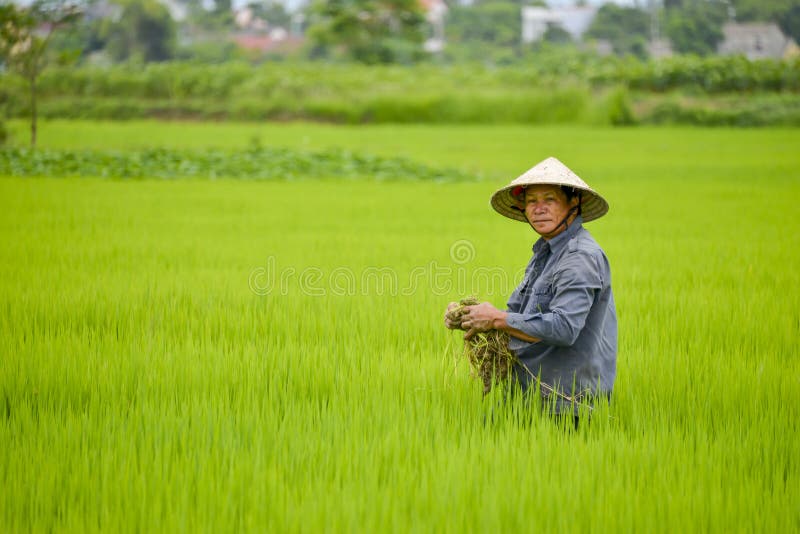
181 346
708 62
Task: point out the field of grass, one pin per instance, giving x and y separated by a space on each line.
215 355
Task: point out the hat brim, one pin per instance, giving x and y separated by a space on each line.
593 206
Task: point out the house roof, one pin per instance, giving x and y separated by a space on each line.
266 43
757 40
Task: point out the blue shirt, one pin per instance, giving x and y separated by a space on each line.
570 307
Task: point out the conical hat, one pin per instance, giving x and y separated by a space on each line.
552 172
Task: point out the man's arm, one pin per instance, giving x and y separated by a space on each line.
484 316
579 279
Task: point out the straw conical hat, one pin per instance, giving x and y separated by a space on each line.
552 172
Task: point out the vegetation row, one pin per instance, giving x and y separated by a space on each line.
558 89
254 163
192 80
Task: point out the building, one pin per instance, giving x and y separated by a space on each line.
758 40
246 19
659 48
575 20
435 11
179 11
277 41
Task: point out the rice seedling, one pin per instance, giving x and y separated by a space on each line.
487 352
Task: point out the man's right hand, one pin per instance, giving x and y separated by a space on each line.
452 325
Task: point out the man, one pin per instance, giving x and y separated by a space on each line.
561 320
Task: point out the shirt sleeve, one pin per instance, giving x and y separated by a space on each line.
575 283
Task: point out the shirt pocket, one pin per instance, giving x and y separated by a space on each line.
542 296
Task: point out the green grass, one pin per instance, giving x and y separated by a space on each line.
145 386
497 152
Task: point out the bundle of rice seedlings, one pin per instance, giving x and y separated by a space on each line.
487 352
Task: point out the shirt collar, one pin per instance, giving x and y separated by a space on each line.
559 241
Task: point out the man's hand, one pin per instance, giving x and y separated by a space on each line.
480 318
451 324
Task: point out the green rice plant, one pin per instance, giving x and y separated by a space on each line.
154 376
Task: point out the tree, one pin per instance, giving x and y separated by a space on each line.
25 34
85 36
556 34
145 31
696 28
626 28
789 22
494 22
785 13
271 11
368 31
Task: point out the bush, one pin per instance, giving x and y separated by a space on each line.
768 111
618 107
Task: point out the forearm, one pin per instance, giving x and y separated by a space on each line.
500 323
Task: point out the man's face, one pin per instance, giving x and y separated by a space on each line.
545 208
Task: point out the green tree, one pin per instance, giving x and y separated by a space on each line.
555 34
273 12
494 22
84 37
368 31
626 28
789 21
25 34
145 31
696 27
223 13
785 13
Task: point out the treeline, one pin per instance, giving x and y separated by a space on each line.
574 88
381 32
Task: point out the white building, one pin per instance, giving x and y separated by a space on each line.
435 11
574 19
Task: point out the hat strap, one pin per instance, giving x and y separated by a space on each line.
572 210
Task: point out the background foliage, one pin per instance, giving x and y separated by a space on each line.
556 87
368 31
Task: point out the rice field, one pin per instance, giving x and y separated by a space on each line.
225 355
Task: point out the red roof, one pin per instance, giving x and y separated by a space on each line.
427 5
265 43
